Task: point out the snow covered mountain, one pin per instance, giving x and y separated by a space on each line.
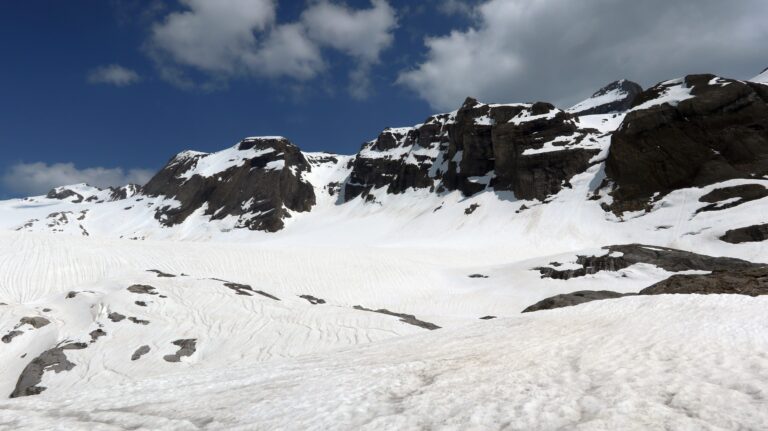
237 285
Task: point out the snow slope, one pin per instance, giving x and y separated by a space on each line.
389 311
679 362
762 78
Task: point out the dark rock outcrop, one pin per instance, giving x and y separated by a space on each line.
312 300
7 338
570 299
405 318
614 97
124 192
142 289
246 290
754 233
138 353
727 276
748 281
63 193
51 360
737 195
690 133
623 256
186 346
257 181
476 147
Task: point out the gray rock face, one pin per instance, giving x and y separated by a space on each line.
728 275
186 346
7 338
63 193
614 97
755 233
405 318
626 255
51 360
259 190
141 351
742 194
718 134
570 299
36 322
477 146
749 281
246 290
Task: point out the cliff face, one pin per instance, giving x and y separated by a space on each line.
691 132
529 149
258 181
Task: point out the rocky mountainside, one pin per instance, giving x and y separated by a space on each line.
258 181
634 224
634 147
614 97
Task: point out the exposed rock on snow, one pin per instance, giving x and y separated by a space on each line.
141 351
312 300
729 197
244 289
51 360
755 233
748 281
142 289
691 132
161 273
614 97
186 348
258 181
571 299
405 318
7 338
622 256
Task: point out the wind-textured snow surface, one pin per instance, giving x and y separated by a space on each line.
676 362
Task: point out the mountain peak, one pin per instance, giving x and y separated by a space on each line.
614 97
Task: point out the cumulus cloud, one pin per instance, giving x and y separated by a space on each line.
39 178
231 38
113 74
563 50
361 34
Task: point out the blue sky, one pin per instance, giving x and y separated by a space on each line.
107 91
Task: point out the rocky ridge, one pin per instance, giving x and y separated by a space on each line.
683 133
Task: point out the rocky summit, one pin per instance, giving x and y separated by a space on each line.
258 181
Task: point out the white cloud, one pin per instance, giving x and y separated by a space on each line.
212 36
286 51
362 34
455 7
232 38
562 50
39 178
113 74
